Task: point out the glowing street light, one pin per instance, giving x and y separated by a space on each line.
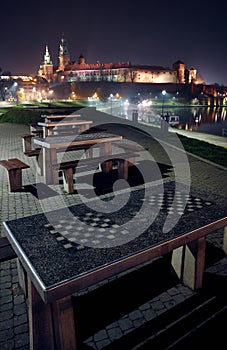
111 103
163 98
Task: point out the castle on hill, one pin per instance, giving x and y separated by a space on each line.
120 72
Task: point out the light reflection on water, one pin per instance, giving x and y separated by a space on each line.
210 120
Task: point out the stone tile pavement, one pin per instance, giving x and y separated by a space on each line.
13 305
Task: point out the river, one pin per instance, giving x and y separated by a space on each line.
211 120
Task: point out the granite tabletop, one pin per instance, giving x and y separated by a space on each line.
67 243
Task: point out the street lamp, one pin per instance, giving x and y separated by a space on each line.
111 103
163 97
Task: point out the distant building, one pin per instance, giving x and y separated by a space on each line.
46 70
73 71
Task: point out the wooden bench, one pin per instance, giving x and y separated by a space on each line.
36 130
122 160
14 166
39 158
27 142
6 250
37 152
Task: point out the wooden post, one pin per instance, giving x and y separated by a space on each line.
15 179
27 142
189 262
64 324
68 180
105 150
40 321
49 158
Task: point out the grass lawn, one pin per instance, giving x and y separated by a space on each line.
205 150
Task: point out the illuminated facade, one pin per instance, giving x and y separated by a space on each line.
120 72
46 70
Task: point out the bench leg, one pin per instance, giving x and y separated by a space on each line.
27 144
105 150
68 180
15 180
39 160
123 166
189 261
123 169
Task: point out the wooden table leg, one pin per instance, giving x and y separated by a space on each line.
50 174
51 326
40 321
64 324
189 261
105 150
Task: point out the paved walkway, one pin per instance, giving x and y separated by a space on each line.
213 139
13 305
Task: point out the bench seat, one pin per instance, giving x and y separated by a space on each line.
33 152
14 166
121 160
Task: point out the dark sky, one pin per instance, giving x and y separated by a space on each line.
142 32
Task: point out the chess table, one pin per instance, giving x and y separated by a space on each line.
53 144
66 250
49 126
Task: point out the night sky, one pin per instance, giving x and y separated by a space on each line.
143 32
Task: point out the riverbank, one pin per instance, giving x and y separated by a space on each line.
220 141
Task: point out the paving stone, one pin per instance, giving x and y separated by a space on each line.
6 333
20 319
114 333
169 304
157 305
178 298
19 299
21 328
149 314
6 324
101 344
20 309
21 340
7 345
5 299
125 324
135 315
6 307
6 315
100 335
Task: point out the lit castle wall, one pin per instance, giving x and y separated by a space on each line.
112 72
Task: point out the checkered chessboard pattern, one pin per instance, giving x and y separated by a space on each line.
91 228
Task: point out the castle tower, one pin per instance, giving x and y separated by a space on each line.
180 68
64 56
47 68
81 60
192 75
